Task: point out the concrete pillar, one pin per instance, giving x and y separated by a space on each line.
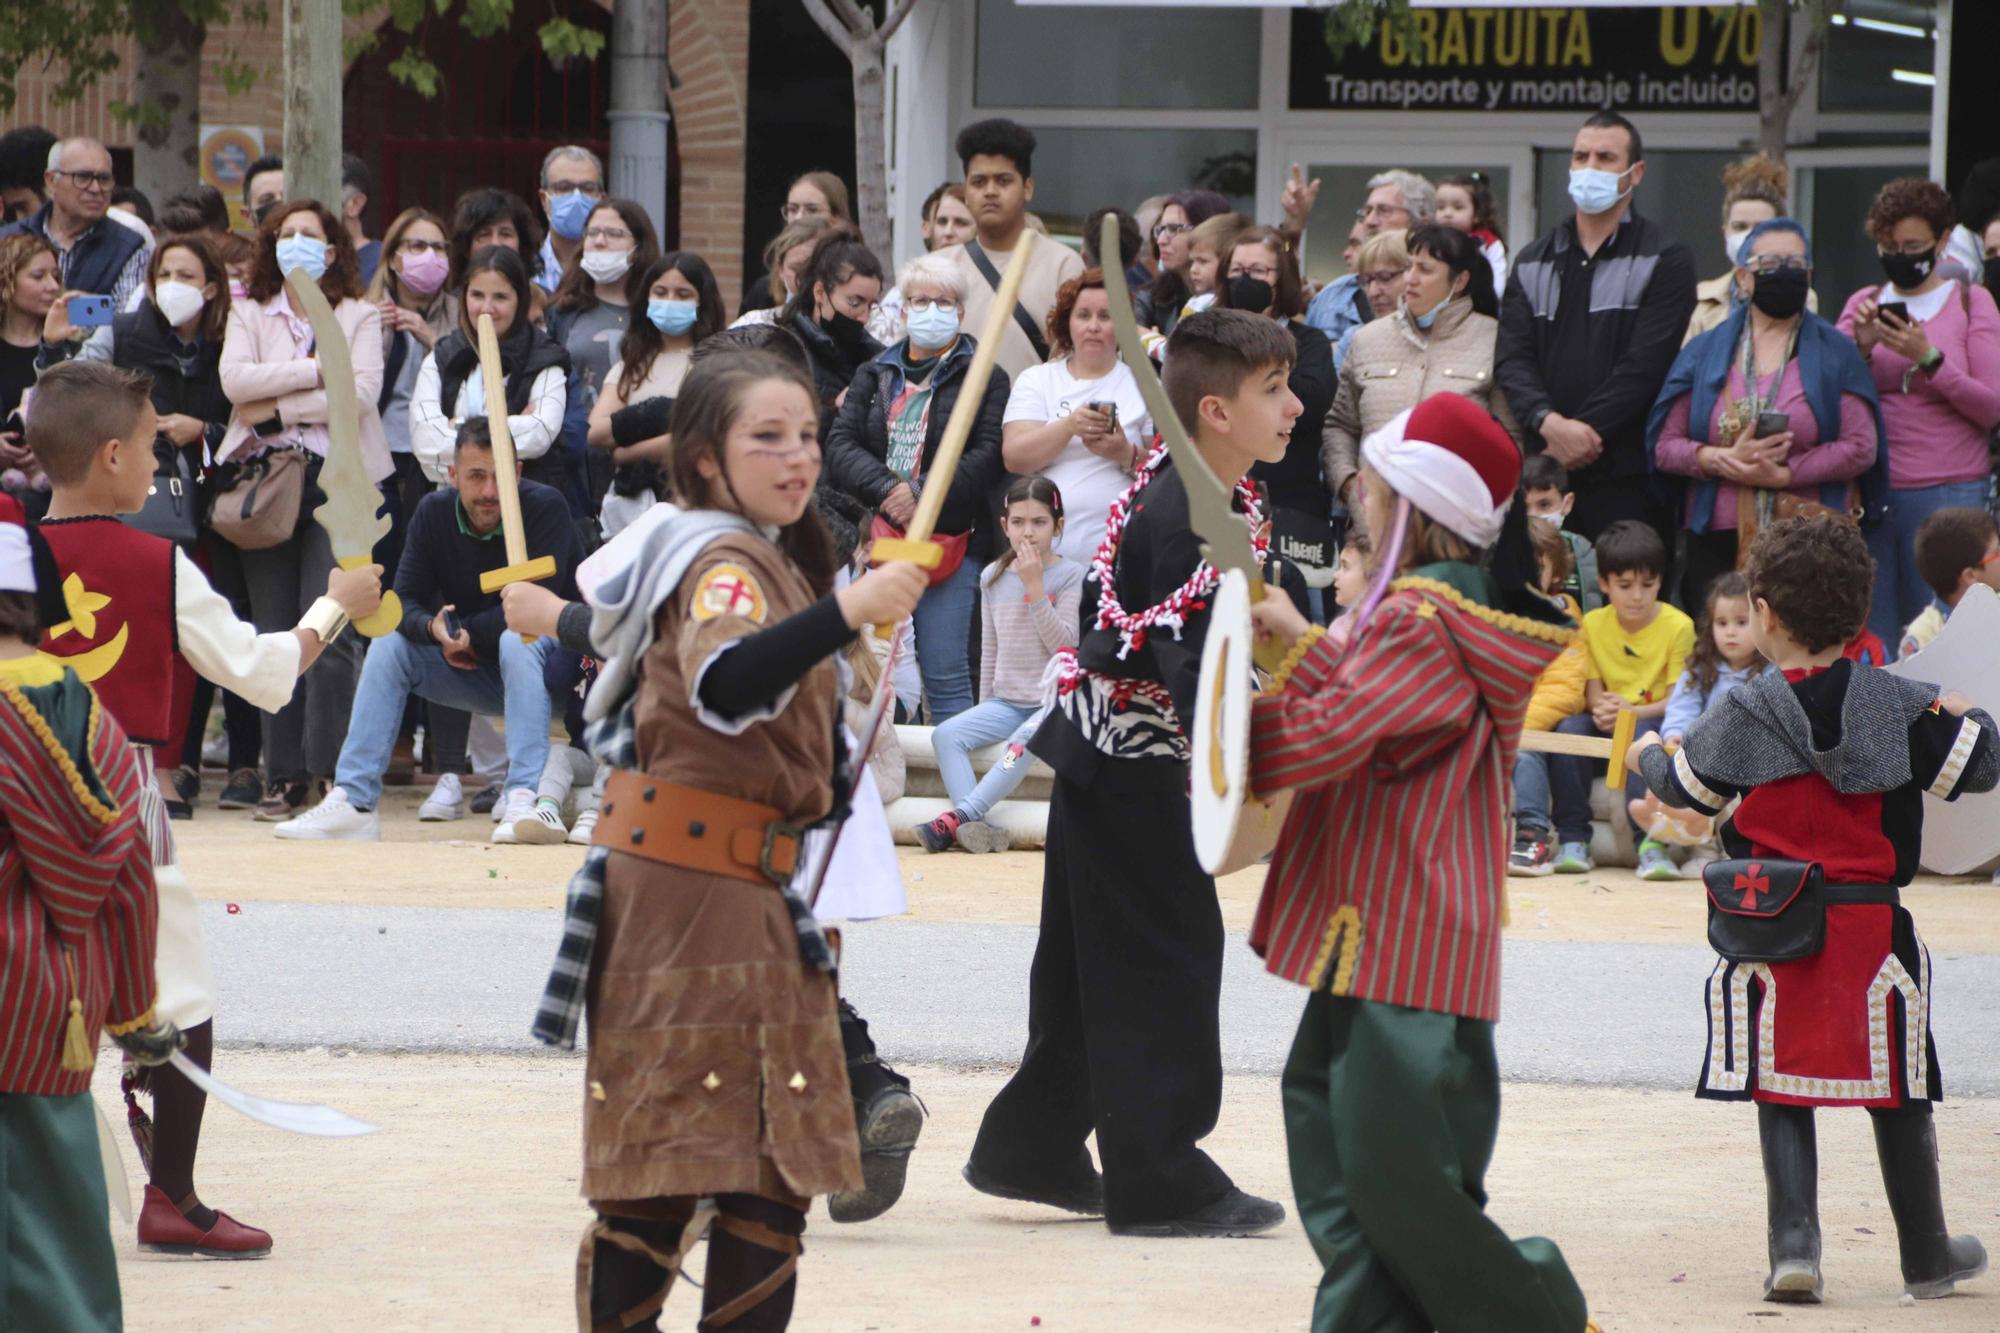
638 113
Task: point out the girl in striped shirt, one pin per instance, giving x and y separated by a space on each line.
1028 615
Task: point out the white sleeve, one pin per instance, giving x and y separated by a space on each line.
231 653
535 430
1029 398
431 435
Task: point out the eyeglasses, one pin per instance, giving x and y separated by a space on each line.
1909 248
1166 229
1261 272
87 180
564 189
1385 278
793 212
1367 211
923 305
607 234
411 246
1778 263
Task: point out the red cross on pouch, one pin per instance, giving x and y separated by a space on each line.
733 588
1752 884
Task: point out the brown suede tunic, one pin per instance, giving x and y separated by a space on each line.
715 1059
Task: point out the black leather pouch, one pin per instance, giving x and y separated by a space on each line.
1765 911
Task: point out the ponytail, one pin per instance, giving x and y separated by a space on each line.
1036 488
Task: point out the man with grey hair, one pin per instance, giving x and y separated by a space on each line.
98 256
572 185
1397 200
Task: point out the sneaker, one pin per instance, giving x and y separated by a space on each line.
243 790
979 837
542 825
1533 854
215 754
182 788
940 833
1654 862
283 801
1084 1196
517 808
1574 859
333 820
584 829
486 801
888 1127
1234 1214
446 801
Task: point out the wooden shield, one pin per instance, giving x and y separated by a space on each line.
1964 835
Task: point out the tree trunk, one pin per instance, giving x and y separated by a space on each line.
1774 110
871 170
313 66
167 81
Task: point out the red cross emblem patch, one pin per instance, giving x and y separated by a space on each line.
728 590
1752 884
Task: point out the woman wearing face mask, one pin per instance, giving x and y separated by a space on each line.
829 311
588 317
1771 355
881 447
269 372
683 305
1437 337
451 386
1933 346
1079 418
946 221
1754 191
409 289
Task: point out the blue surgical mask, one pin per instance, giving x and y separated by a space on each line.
1594 191
672 317
933 328
306 252
569 213
1429 317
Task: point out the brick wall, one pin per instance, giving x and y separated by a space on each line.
709 46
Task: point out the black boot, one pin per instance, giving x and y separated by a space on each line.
1933 1258
887 1118
1791 1192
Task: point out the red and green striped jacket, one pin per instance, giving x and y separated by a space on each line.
78 911
1388 879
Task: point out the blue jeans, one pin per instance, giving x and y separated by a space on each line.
954 741
1552 791
943 627
1900 592
514 687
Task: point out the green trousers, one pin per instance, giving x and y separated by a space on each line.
58 1271
1390 1118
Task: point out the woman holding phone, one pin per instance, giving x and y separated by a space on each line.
1769 409
1933 347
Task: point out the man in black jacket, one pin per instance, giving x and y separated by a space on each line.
99 256
454 647
1591 323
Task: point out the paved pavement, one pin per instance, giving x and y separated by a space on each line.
442 979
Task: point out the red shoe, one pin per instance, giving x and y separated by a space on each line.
163 1230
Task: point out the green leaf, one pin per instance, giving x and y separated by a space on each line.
484 18
414 70
563 40
1353 23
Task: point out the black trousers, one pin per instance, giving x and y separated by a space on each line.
1122 1025
1709 556
1602 501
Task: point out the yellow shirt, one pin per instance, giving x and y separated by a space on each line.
1640 668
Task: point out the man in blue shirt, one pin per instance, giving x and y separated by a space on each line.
1396 199
98 255
572 186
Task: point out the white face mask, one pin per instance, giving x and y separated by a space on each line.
178 302
1732 242
607 265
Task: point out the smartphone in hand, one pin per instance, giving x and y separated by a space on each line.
1900 309
1772 423
1109 409
89 312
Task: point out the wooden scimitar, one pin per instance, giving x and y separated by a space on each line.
1611 750
352 514
519 568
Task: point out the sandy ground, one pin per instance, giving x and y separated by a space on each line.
463 1214
228 856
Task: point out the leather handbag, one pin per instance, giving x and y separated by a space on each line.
1765 911
257 507
171 507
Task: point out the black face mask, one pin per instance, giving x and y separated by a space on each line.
1780 293
1252 294
1993 276
848 333
1908 271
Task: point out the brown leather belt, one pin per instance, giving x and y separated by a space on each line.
697 830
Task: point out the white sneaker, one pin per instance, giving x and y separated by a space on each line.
513 808
585 829
334 819
446 801
543 825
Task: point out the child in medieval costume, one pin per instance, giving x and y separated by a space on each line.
1832 761
131 605
716 1070
1385 893
1123 1033
77 917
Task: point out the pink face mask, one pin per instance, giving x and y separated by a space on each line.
237 291
425 272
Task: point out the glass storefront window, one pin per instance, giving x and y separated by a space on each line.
1880 56
1078 170
1133 57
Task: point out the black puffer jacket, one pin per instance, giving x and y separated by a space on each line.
833 365
858 443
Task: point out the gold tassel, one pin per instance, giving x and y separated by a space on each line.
77 1053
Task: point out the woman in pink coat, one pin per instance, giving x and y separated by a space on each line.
270 372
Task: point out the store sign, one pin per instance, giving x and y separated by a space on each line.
1547 58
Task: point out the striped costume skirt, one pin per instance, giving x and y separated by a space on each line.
1849 1026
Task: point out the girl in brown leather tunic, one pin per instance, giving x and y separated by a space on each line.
716 1070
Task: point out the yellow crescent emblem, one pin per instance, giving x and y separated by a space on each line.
83 605
95 663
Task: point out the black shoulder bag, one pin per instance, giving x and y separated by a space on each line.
1765 911
1022 319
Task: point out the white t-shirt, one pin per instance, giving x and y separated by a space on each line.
1922 308
1088 483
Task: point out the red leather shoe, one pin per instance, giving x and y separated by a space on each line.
163 1230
